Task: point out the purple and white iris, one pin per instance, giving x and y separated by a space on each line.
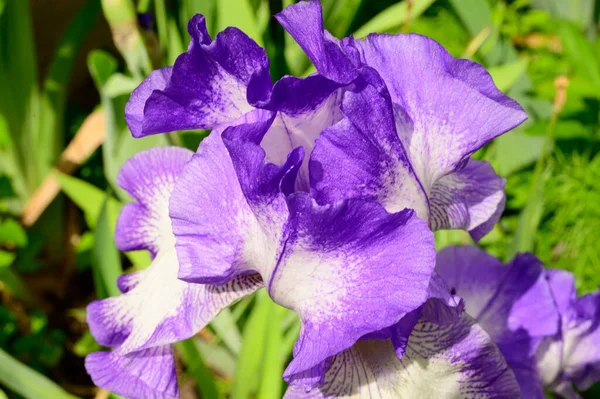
325 191
549 337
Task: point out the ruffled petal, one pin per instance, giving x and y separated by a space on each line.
467 199
362 157
447 108
211 84
148 374
162 309
573 356
513 304
341 273
149 177
304 21
134 109
229 219
157 308
451 361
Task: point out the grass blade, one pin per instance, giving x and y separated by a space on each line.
107 260
192 358
250 359
121 16
271 383
238 13
50 135
393 17
27 382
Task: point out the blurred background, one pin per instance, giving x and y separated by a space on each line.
67 68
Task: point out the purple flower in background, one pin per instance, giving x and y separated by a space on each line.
410 147
572 356
512 303
548 336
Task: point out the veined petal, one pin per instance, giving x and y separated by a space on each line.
468 199
211 84
229 220
304 21
348 269
149 178
157 308
162 309
451 361
148 374
447 108
513 304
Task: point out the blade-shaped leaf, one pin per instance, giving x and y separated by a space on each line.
251 355
107 260
393 17
192 359
238 13
27 382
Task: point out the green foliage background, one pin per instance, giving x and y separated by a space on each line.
551 163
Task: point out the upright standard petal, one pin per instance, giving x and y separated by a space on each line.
211 84
446 108
304 21
513 304
157 309
441 361
348 269
376 166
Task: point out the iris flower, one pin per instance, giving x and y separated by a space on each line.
324 191
572 356
412 149
548 336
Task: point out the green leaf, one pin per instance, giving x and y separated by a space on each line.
515 150
271 384
338 15
90 200
191 357
580 52
238 13
227 331
505 76
107 261
102 66
217 358
251 355
6 258
208 8
49 140
121 16
119 85
12 233
529 219
86 196
393 17
27 382
86 345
